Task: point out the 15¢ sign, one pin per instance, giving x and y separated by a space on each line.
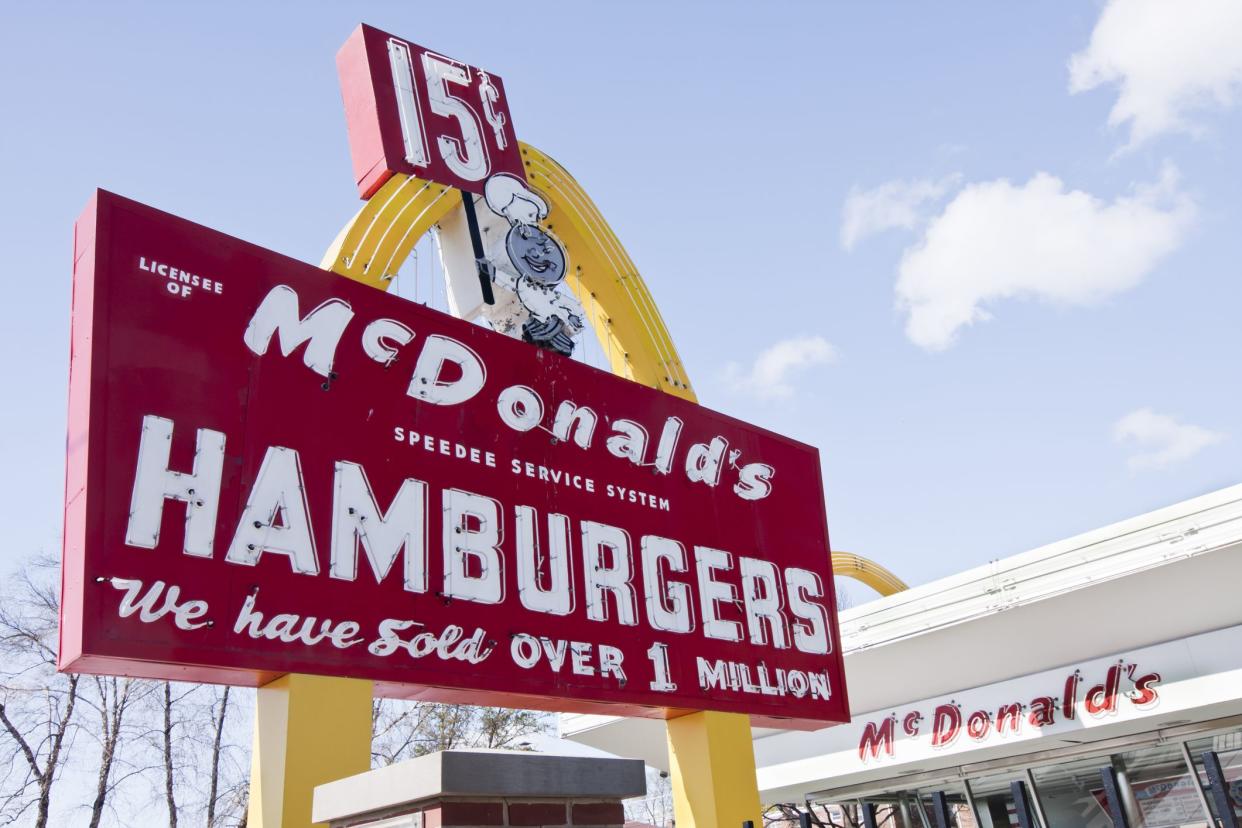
414 111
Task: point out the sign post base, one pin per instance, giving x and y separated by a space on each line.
712 764
308 730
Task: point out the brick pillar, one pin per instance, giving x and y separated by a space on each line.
474 789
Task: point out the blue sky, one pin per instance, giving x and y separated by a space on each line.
995 283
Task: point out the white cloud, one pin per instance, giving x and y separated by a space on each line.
892 204
1168 58
996 240
771 373
1160 439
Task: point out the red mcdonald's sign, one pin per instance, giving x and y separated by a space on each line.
273 469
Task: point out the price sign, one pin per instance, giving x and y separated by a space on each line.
414 111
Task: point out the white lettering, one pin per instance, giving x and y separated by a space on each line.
761 595
602 577
578 420
379 336
810 635
276 517
428 383
520 407
154 483
668 604
322 328
357 519
712 593
472 533
558 598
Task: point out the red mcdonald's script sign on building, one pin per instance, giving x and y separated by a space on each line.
273 469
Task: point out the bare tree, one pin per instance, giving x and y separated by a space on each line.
42 771
213 792
113 702
404 729
786 815
500 727
37 704
170 797
114 697
844 601
196 754
186 726
656 808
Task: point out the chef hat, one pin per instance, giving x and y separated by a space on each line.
509 196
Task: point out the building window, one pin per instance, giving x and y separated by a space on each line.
1161 790
1072 793
1228 750
994 800
956 801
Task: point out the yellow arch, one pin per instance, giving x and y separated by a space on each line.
868 572
377 241
372 247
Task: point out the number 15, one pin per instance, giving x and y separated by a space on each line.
465 154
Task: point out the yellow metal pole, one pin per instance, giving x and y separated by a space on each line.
308 730
712 769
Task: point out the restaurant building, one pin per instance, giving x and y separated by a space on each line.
1091 680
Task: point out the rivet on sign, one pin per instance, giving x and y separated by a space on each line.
250 546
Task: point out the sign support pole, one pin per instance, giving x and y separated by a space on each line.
308 730
712 770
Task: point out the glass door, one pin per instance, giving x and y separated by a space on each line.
1228 750
994 800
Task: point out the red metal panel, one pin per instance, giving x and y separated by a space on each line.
83 398
160 311
362 120
467 108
